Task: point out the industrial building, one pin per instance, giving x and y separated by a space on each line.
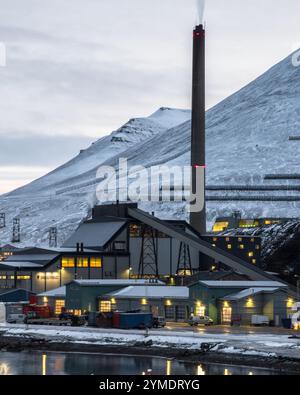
122 242
237 222
247 248
226 302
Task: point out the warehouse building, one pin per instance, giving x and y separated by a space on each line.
56 299
169 302
85 295
227 301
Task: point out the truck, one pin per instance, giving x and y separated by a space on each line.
260 320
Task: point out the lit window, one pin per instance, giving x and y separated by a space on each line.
59 305
23 277
240 239
229 246
290 303
250 303
250 254
2 277
68 262
215 239
105 306
184 273
144 302
199 310
254 261
12 277
168 302
135 230
227 238
248 223
214 245
257 247
82 262
220 226
95 262
252 240
45 299
242 247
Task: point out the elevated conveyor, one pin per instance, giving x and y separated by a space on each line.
237 264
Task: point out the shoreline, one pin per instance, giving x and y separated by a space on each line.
277 364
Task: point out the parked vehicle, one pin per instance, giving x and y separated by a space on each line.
260 320
200 320
16 318
159 322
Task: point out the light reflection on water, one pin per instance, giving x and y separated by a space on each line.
36 363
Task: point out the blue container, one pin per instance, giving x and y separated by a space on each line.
287 323
136 320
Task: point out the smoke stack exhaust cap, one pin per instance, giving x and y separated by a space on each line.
199 31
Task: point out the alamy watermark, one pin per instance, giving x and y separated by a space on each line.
155 184
2 54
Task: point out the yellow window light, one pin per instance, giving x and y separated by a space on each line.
168 302
251 254
226 304
105 306
113 301
290 303
250 303
82 262
220 226
95 262
144 302
68 262
229 246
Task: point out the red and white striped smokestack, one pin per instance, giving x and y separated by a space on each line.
198 219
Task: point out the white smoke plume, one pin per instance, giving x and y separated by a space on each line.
201 9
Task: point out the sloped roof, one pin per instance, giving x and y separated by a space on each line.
19 264
32 258
95 234
246 293
151 292
95 283
58 292
243 284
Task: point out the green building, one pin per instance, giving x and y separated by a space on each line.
229 301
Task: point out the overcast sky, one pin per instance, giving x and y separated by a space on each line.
79 69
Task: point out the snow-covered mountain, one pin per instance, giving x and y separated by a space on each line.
247 138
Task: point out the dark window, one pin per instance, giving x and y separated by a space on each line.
119 246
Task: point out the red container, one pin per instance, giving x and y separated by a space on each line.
27 309
116 320
43 311
33 299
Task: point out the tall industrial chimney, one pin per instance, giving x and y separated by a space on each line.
198 219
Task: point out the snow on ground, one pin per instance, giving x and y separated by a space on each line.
247 138
264 345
